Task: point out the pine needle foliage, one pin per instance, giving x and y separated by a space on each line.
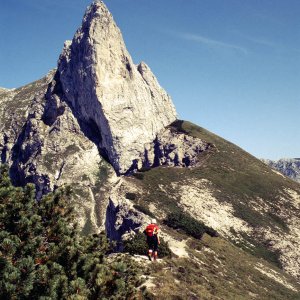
187 224
43 256
138 245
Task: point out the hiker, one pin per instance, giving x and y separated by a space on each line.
152 239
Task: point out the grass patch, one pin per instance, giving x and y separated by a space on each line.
101 180
138 175
260 250
225 272
50 161
71 149
81 192
88 227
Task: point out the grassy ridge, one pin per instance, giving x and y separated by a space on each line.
233 169
240 176
236 177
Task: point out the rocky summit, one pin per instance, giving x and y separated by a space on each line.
123 101
105 127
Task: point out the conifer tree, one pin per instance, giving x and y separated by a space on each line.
43 256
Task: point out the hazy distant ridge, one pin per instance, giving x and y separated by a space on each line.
287 166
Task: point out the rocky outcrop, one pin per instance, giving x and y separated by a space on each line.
53 150
103 85
122 219
175 148
289 167
14 110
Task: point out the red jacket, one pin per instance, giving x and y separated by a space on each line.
152 229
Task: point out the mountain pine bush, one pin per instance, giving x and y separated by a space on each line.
42 255
138 245
189 225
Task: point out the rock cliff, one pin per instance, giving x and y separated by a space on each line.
103 85
96 116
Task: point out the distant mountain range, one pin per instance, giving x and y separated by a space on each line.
287 166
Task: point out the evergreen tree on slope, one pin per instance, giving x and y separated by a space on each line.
42 255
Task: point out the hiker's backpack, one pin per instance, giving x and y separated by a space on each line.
151 230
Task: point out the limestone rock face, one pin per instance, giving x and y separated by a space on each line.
124 102
179 149
43 143
97 106
14 110
122 219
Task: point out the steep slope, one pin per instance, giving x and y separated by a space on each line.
14 107
287 166
215 269
233 192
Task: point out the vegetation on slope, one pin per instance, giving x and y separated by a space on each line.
42 254
138 245
218 270
239 176
236 177
189 225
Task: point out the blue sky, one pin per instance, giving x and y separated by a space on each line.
232 67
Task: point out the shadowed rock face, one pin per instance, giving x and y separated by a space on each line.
101 82
14 110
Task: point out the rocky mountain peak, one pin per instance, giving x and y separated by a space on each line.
103 85
98 106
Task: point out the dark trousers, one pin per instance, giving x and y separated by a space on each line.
152 242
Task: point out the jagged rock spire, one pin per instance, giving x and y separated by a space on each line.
123 101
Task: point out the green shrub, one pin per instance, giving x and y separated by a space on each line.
144 169
43 256
130 196
144 210
189 225
138 245
138 175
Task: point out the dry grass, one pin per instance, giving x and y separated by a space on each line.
218 270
